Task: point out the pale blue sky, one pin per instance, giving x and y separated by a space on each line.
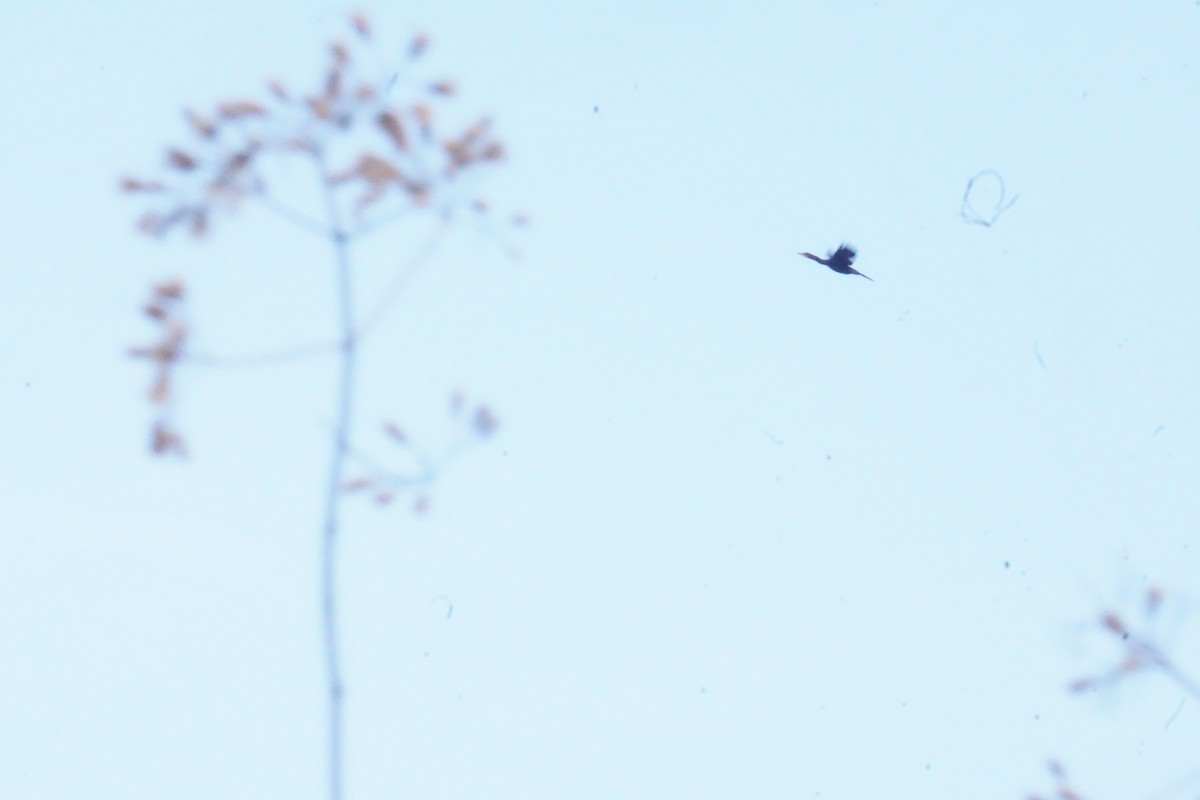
749 528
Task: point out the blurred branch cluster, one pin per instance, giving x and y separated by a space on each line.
376 158
1139 652
400 155
165 310
386 483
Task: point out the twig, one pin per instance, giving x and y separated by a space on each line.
403 276
293 216
1160 660
341 436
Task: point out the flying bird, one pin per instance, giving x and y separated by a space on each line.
839 260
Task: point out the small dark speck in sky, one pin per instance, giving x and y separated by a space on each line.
1006 565
595 109
828 457
1160 427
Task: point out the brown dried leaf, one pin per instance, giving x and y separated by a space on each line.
393 430
199 223
375 170
484 422
520 220
164 441
394 128
135 185
356 484
384 497
155 311
1131 664
321 107
360 24
150 223
419 193
239 109
364 92
424 115
476 131
171 289
420 44
341 55
370 197
1154 600
181 160
203 128
458 152
333 83
1114 624
279 90
443 88
160 391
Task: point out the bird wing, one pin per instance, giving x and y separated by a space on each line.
844 254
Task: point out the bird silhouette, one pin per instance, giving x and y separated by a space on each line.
839 261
